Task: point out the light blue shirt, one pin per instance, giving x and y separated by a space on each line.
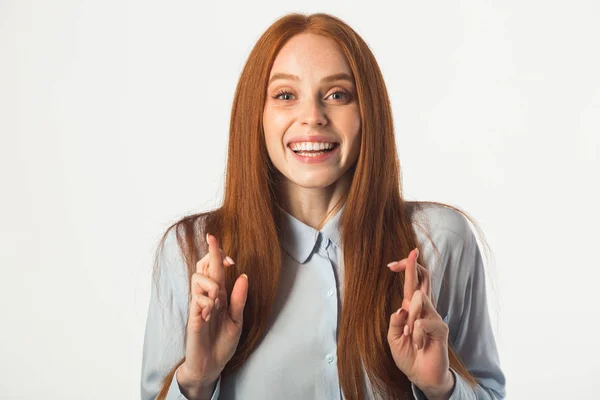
297 358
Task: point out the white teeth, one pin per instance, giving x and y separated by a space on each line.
311 146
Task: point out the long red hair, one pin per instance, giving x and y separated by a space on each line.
376 226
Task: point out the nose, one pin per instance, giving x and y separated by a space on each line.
313 113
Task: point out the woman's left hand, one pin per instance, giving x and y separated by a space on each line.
418 337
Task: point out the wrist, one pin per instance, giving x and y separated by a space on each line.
192 388
444 391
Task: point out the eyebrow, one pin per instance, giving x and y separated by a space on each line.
336 77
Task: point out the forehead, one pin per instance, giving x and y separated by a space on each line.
307 54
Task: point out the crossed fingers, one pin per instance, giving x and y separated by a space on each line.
417 292
416 276
208 282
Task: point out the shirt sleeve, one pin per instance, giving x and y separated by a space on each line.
164 337
462 302
174 392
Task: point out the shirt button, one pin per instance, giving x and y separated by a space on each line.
330 292
329 358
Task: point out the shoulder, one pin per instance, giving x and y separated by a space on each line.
172 250
447 244
441 222
169 252
170 270
175 241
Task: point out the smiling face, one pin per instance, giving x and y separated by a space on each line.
311 97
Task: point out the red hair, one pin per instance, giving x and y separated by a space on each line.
376 226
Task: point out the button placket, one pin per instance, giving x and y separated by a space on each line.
324 251
329 256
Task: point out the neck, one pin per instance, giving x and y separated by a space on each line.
312 205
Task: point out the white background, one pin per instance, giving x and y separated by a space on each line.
114 118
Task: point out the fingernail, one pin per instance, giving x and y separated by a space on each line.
417 249
207 238
245 276
416 346
405 330
393 264
217 305
230 260
207 318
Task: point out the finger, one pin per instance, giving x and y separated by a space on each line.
425 281
203 285
215 268
429 328
202 267
397 324
428 311
202 305
204 262
419 336
410 277
414 311
423 275
195 320
239 295
227 261
398 266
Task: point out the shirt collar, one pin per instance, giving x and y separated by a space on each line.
299 239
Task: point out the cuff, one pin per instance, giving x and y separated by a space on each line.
458 392
174 392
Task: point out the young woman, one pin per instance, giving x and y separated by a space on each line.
315 305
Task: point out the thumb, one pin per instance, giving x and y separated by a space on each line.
239 294
397 323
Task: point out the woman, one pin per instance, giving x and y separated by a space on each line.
312 215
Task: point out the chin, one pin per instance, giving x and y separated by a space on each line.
311 182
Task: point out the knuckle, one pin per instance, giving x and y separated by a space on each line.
197 297
198 280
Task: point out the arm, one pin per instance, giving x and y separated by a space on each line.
164 338
462 301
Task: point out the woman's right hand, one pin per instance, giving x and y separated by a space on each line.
214 323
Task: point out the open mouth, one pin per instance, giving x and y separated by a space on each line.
313 153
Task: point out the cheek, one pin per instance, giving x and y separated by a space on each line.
352 129
274 126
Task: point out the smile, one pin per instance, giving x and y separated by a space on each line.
323 152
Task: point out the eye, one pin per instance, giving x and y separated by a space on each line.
286 93
281 93
340 92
